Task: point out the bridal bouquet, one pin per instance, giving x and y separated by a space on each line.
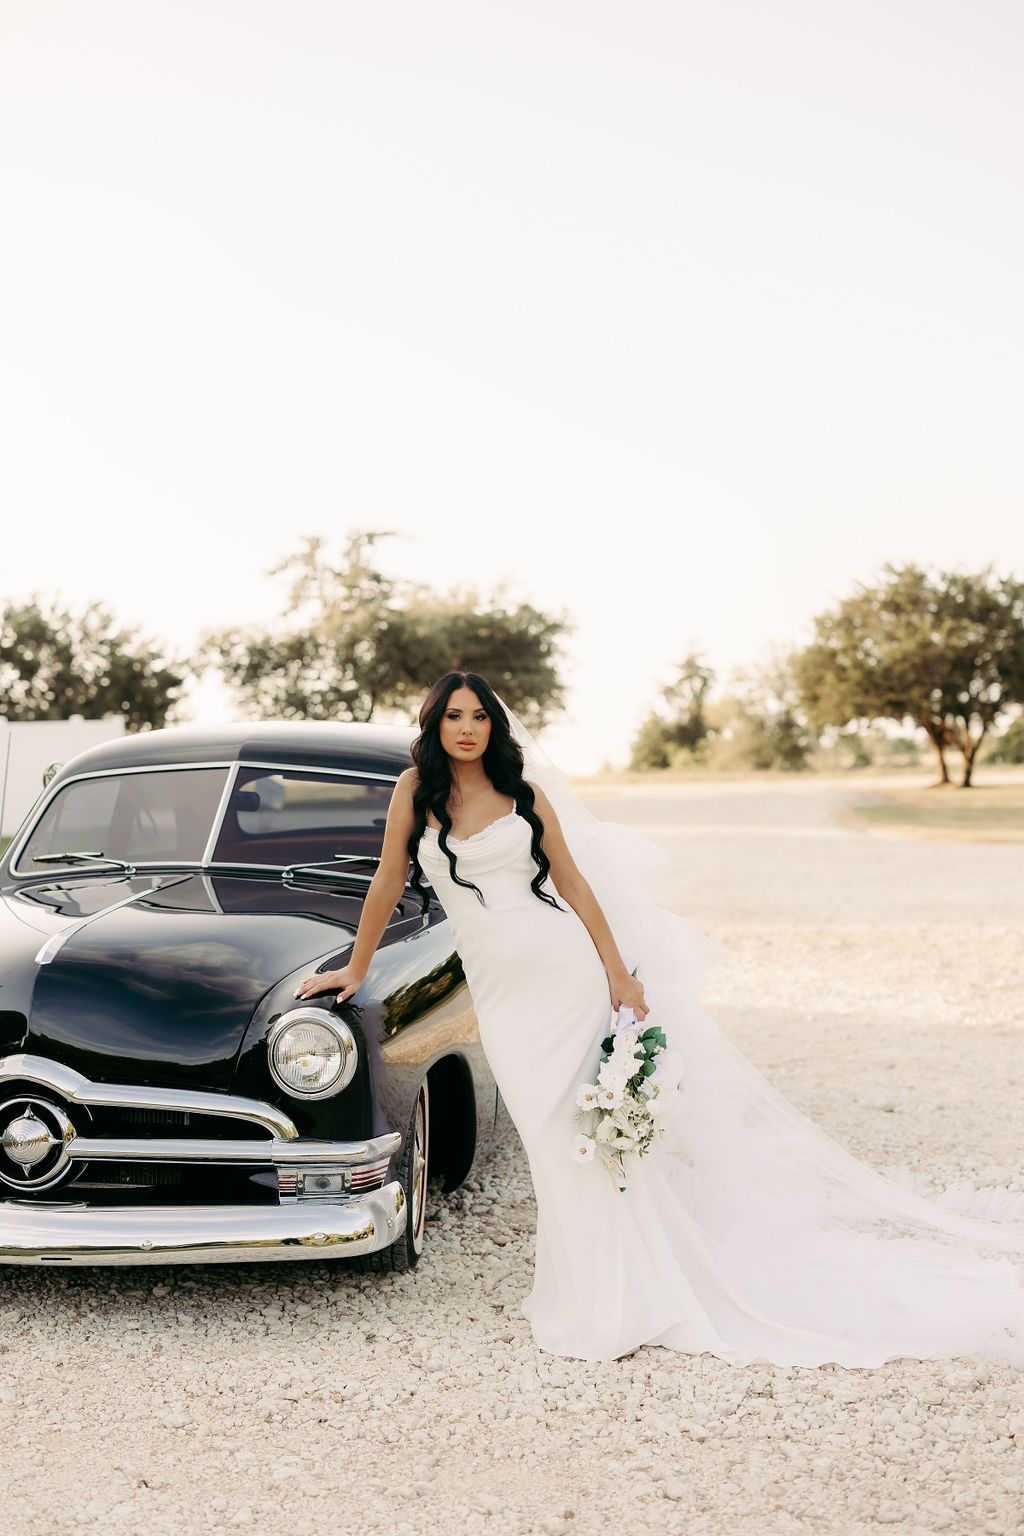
621 1110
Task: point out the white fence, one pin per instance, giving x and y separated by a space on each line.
28 747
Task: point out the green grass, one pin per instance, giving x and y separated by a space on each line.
986 813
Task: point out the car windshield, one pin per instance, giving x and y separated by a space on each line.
293 815
273 817
155 816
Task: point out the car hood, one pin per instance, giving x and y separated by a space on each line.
159 988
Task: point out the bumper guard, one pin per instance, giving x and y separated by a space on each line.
32 1232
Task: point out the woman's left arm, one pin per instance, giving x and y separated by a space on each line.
625 990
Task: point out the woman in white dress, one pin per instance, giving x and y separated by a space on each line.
746 1232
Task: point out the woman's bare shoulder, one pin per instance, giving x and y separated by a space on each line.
540 799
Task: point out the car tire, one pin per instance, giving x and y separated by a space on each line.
413 1172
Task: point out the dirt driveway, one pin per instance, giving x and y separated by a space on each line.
876 981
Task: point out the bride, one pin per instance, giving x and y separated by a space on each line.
746 1231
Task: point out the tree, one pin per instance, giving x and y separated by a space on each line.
54 664
649 749
769 728
1009 746
945 651
985 640
686 699
663 739
357 642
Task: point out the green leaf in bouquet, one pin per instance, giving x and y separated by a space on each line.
647 1068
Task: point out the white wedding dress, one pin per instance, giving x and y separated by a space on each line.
748 1232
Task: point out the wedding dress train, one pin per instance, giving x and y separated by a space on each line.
748 1232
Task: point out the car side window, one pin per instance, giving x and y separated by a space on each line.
282 816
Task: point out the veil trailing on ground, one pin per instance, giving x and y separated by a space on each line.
804 1232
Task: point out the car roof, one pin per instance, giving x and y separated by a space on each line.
354 744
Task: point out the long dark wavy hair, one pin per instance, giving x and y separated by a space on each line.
503 764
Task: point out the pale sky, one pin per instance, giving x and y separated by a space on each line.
681 318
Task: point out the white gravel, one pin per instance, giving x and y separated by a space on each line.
875 981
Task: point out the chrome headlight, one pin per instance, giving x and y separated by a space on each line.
312 1054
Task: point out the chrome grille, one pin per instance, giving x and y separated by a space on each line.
127 1120
162 1118
133 1175
197 1147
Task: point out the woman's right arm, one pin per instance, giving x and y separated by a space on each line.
382 897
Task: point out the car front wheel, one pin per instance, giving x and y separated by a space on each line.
414 1171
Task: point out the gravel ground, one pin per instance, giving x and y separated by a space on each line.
876 981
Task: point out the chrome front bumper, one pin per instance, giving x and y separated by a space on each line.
50 1230
35 1233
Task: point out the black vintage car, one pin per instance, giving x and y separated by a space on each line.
163 1096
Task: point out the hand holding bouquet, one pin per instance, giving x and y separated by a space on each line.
621 1110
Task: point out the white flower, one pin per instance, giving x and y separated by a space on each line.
625 1045
659 1099
610 1096
668 1069
613 1073
606 1129
583 1149
625 1132
587 1095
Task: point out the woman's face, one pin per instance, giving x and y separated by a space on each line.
465 721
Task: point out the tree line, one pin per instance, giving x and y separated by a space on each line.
937 654
914 655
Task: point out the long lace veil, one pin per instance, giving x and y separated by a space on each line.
773 1194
